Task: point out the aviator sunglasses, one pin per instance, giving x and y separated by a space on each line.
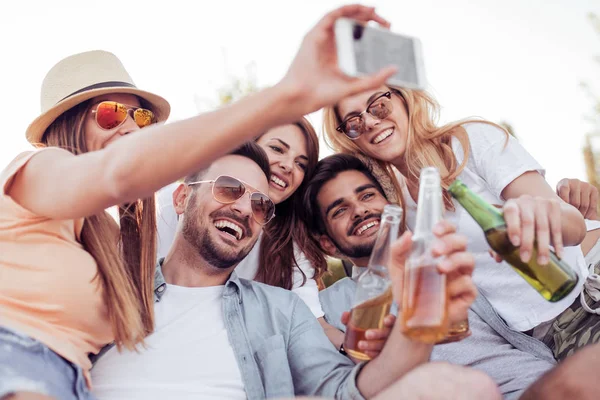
110 114
380 108
227 190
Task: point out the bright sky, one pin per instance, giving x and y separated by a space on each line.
514 60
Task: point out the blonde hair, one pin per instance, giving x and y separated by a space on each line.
427 144
125 264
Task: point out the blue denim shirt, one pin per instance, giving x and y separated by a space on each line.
280 347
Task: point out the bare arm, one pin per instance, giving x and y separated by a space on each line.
58 185
333 334
533 211
575 378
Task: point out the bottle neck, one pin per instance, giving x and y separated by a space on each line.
485 214
388 232
429 210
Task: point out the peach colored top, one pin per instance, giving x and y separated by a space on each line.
47 285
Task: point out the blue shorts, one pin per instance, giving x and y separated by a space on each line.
27 365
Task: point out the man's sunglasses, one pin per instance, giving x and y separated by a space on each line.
227 190
110 114
380 108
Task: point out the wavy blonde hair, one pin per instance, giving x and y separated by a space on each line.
427 143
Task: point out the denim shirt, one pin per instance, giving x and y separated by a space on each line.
280 347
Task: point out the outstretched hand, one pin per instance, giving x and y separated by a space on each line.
314 74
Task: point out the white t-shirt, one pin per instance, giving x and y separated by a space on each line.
309 292
187 357
490 168
167 225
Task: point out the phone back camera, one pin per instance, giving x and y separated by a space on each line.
357 31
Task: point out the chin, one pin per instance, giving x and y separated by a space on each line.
280 197
390 154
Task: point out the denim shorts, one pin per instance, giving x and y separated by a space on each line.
27 365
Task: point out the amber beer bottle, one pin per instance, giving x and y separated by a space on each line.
553 281
373 297
424 298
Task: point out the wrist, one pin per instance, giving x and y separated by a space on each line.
291 99
341 350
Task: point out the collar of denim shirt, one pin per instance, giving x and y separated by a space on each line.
232 286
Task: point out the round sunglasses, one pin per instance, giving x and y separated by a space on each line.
110 115
227 190
355 125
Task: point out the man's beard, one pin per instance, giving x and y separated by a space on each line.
196 232
359 251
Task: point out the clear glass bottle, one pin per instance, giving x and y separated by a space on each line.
424 297
373 297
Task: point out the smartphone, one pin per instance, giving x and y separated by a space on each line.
364 49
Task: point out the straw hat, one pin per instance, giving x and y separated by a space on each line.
81 77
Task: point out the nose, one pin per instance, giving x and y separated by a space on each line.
129 126
242 206
286 164
360 211
370 121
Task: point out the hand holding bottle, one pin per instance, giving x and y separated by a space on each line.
531 220
458 265
555 280
375 338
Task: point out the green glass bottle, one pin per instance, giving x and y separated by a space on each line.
553 281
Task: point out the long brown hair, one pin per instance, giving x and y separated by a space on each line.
276 256
125 264
427 144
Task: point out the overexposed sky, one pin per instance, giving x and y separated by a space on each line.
514 60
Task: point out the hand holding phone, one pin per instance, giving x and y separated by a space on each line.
364 49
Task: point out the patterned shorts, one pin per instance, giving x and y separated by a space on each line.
574 328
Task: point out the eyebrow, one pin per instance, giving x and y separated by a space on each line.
358 190
287 146
364 187
369 100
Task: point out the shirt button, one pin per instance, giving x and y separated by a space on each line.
161 288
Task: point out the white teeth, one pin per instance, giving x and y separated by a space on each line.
278 181
228 224
365 227
383 135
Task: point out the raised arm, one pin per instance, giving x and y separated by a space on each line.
58 185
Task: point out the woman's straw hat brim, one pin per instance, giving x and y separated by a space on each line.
82 77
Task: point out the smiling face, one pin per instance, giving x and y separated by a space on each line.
351 206
223 234
288 158
97 138
383 139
